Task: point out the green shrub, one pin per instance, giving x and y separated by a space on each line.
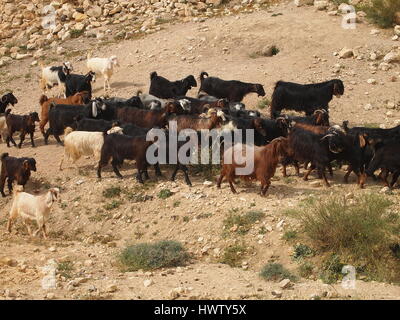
112 192
302 251
306 269
359 232
234 255
276 272
263 103
151 256
76 33
290 235
112 205
381 12
243 222
165 193
65 269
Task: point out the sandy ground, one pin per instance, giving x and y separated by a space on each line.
84 232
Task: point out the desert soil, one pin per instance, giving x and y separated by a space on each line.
84 232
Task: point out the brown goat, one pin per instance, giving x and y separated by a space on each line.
148 118
76 99
215 120
265 159
24 124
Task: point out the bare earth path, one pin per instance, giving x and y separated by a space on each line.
84 232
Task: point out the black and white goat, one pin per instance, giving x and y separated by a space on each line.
54 76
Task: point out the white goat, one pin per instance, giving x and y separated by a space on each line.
55 75
104 66
30 207
3 128
84 143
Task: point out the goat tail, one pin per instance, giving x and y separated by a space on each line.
3 156
153 75
67 131
202 74
43 99
139 92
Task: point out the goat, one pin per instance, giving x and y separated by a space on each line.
151 102
215 120
30 207
64 115
265 161
232 90
318 118
387 158
18 169
44 101
165 89
148 118
120 147
304 97
83 143
7 99
75 83
197 106
54 76
94 125
103 66
24 124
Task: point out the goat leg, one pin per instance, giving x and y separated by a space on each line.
312 167
395 176
322 170
32 142
22 138
139 176
175 172
46 136
220 180
185 173
232 187
115 168
58 139
157 170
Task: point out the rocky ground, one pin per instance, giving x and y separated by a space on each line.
90 230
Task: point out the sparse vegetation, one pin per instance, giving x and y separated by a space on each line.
360 232
151 256
381 12
290 235
276 272
75 33
65 269
112 205
263 103
302 251
242 223
233 255
165 193
112 192
306 269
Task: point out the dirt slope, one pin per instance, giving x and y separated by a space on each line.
91 236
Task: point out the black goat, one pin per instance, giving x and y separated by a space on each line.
94 125
64 115
7 99
18 169
22 123
304 97
75 83
165 89
232 90
318 118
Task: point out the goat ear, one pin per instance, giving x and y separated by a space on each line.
49 199
362 141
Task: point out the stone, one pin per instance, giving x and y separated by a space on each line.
60 50
346 53
375 31
148 282
276 293
300 3
385 190
79 17
268 50
285 283
392 57
371 81
112 288
94 11
8 262
321 4
315 184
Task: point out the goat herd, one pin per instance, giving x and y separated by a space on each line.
115 129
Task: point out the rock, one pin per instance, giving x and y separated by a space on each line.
321 4
285 283
79 17
215 3
384 66
385 190
8 262
52 249
173 294
268 50
392 57
396 30
276 293
300 3
60 50
371 81
375 31
112 288
345 53
50 296
20 56
368 107
207 183
79 26
148 282
94 11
